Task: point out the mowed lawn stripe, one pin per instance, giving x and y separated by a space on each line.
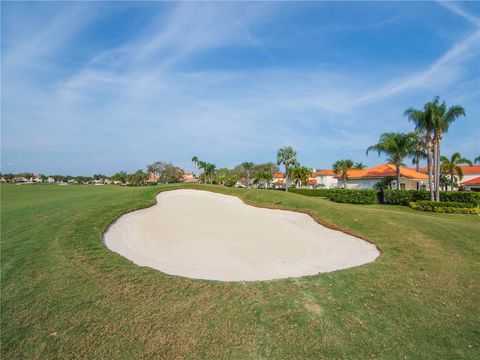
64 295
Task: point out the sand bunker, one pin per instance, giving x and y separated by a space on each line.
203 235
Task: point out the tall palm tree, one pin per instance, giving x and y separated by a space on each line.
195 161
288 157
418 148
424 123
442 118
359 166
299 175
452 167
248 167
397 146
210 171
340 168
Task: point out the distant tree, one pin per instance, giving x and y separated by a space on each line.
340 168
451 167
299 175
397 146
209 170
288 157
264 177
120 176
419 148
477 160
247 168
171 174
359 166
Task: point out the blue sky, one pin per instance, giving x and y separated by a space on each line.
101 87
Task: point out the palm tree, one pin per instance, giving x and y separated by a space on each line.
299 175
359 166
265 177
247 167
210 171
397 146
341 168
195 160
451 167
286 156
477 160
424 124
418 148
442 118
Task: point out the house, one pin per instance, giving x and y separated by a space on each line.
278 181
188 177
50 180
36 178
3 180
367 178
107 181
323 179
20 180
472 184
153 178
469 172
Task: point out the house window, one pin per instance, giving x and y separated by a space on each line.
402 186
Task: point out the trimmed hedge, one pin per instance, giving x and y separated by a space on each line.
446 207
312 192
350 196
403 197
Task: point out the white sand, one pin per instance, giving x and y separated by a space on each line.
203 235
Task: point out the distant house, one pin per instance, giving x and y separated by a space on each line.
472 184
323 179
107 181
3 180
36 178
153 178
98 181
469 172
50 180
189 177
20 180
367 178
278 181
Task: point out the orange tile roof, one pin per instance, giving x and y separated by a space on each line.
466 169
312 181
471 169
279 182
324 172
384 170
278 176
475 181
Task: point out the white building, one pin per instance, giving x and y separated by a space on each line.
367 178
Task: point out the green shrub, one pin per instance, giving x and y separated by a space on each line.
460 196
403 197
312 192
397 197
350 196
446 207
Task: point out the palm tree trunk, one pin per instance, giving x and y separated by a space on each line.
286 177
398 176
437 171
429 170
417 163
451 181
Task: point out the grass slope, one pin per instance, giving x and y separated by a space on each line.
64 295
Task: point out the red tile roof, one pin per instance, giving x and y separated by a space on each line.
475 181
279 182
384 170
278 176
312 181
466 169
324 172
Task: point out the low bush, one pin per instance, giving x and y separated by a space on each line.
350 196
446 207
397 197
460 196
312 192
403 197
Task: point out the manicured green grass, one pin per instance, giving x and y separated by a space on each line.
64 295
